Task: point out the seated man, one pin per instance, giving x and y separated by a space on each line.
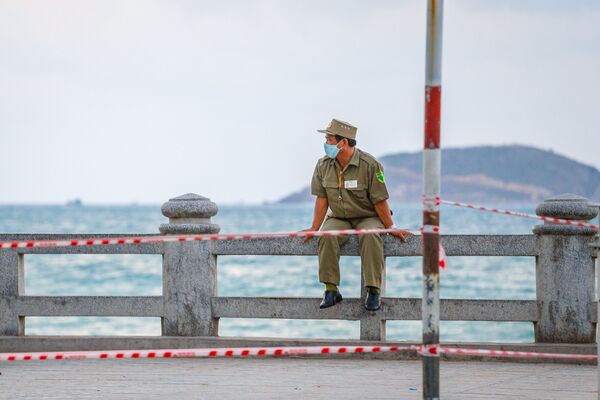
351 184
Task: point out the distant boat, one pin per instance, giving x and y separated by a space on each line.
75 203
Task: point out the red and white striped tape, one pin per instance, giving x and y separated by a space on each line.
431 201
424 350
430 229
297 234
187 238
443 259
514 354
520 214
195 353
191 238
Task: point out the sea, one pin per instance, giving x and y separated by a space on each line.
122 275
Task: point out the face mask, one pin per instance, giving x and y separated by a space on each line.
331 150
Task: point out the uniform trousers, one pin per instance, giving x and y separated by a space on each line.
371 250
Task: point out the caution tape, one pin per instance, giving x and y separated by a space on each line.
297 234
435 350
520 214
198 353
128 240
443 259
430 229
514 354
188 238
424 350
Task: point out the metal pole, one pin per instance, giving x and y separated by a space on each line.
431 192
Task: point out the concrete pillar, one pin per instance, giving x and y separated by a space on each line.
372 327
564 272
189 268
11 287
596 249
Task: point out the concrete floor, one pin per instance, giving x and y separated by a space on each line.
288 378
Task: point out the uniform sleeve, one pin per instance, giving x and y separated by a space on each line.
316 185
377 188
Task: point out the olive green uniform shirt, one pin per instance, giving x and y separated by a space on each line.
351 192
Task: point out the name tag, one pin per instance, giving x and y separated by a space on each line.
350 184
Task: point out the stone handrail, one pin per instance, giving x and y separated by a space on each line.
189 305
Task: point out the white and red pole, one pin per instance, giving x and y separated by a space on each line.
431 195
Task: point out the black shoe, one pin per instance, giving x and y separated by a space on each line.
373 302
330 298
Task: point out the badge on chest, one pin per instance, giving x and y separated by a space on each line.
350 184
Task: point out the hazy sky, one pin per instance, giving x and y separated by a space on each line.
121 101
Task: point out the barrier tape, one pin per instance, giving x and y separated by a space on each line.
514 354
522 215
429 350
197 353
443 260
187 238
213 237
209 237
424 350
430 229
431 201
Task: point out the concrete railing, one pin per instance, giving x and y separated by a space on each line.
564 310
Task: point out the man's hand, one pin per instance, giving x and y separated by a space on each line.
401 234
309 236
321 205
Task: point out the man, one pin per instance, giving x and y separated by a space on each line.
351 184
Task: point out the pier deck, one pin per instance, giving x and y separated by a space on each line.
289 378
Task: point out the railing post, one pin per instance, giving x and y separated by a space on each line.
564 272
189 268
596 246
11 286
372 327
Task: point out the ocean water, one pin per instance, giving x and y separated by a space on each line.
466 277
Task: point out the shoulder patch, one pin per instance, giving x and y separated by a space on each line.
380 177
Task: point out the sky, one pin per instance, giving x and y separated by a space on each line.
141 101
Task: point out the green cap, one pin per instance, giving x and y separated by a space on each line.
341 128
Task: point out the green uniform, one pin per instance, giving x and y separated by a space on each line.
351 194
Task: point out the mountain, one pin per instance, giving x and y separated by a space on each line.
500 174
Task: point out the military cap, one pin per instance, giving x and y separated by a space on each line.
341 128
